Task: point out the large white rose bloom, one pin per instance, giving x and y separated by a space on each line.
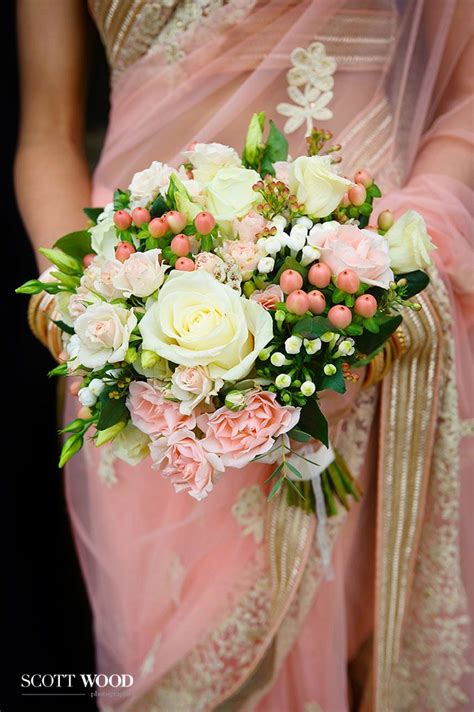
104 238
141 274
197 321
208 158
102 335
230 194
317 185
409 243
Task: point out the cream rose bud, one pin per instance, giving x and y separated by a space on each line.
141 275
309 255
230 194
146 184
191 385
265 265
198 321
131 445
293 345
104 238
103 333
317 185
409 243
312 346
96 386
208 158
87 397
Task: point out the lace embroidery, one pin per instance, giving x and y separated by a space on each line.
466 428
106 468
249 511
436 637
312 70
148 664
176 572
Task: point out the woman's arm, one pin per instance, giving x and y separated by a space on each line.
51 175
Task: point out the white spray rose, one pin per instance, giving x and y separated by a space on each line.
131 445
103 333
197 321
409 243
140 275
104 238
317 185
191 385
146 184
208 158
230 195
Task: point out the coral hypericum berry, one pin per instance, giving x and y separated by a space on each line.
140 216
122 219
297 302
123 251
348 281
319 275
290 280
180 245
184 264
317 301
366 306
340 316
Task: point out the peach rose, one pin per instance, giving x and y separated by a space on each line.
269 297
188 464
238 436
152 413
363 251
247 228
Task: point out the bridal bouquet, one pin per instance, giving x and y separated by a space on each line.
205 309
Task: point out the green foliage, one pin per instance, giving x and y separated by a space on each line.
159 207
299 435
93 213
34 286
370 342
121 199
63 326
75 244
417 281
290 263
70 447
253 141
312 327
276 149
112 410
335 382
313 422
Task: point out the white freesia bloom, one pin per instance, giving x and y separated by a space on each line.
103 332
131 445
230 195
208 158
104 238
191 385
196 320
317 185
409 243
146 184
141 275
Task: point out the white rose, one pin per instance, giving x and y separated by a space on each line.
108 212
208 261
140 275
197 321
104 238
191 385
409 243
208 158
103 332
316 184
131 445
99 277
146 184
230 194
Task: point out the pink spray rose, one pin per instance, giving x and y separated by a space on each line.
238 436
187 464
269 297
152 413
246 254
247 228
363 251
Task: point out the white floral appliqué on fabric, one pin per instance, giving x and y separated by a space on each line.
249 511
310 83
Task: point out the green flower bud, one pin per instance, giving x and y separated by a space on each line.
330 369
148 358
249 288
105 436
278 359
235 400
280 315
131 354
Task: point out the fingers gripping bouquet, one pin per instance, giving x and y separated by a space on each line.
206 308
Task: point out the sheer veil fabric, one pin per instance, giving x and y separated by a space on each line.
202 602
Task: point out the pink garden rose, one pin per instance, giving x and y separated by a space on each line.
238 436
269 297
152 413
246 254
363 251
188 464
248 227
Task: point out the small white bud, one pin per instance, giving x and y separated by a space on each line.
278 359
312 346
310 254
307 388
283 380
293 345
330 369
262 245
96 386
264 354
265 265
280 315
86 397
306 222
235 400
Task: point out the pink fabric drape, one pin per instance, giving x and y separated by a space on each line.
161 569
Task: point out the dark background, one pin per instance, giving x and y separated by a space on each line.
47 617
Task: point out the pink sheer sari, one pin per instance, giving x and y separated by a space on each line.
224 604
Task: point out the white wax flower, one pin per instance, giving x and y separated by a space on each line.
278 359
312 346
329 369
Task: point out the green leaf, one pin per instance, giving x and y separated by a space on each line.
159 207
417 282
299 435
93 213
290 263
338 296
70 447
112 410
374 191
75 244
365 209
312 327
276 149
294 486
71 282
63 326
34 286
75 426
275 488
121 199
368 343
275 472
60 370
335 382
312 421
371 325
354 330
293 469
